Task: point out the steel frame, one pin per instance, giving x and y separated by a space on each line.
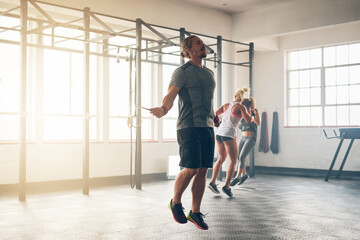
106 32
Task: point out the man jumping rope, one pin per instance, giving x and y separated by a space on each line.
195 84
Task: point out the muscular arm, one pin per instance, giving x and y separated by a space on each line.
222 109
167 102
257 117
240 109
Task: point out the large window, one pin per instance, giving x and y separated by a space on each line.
64 95
55 87
323 86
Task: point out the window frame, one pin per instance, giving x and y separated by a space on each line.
323 104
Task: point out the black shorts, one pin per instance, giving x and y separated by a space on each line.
196 147
223 139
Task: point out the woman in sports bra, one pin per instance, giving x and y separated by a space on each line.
248 139
226 142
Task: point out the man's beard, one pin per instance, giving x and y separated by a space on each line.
203 55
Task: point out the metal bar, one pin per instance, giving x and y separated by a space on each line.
246 64
241 43
242 51
10 29
108 35
182 37
86 54
138 174
168 41
101 23
157 47
64 40
23 93
345 157
40 29
10 10
334 160
252 153
219 82
47 16
130 20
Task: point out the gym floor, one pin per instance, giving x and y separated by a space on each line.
264 207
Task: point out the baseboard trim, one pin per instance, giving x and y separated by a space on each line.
299 172
73 184
304 172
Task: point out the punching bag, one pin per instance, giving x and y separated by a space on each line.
275 134
264 142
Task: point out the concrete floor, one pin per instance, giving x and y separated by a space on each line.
264 207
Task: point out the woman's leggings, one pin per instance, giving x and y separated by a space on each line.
245 145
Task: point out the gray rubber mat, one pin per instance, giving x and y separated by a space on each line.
265 207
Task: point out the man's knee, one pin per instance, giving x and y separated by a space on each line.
201 171
191 171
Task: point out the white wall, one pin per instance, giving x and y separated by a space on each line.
297 25
47 162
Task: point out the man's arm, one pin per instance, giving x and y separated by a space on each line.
167 102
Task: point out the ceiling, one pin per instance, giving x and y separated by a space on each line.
236 6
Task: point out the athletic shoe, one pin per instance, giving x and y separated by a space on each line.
197 219
178 212
235 181
227 191
213 188
243 179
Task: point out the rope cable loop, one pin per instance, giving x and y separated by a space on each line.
130 121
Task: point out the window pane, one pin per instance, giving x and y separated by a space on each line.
171 58
56 82
146 86
305 116
355 115
343 115
330 95
315 96
355 94
304 59
146 129
294 79
329 56
354 72
63 128
120 129
304 97
9 127
293 60
354 53
342 94
315 57
9 77
304 78
77 83
330 116
293 116
169 128
119 87
342 75
294 97
342 55
315 78
316 116
330 77
94 83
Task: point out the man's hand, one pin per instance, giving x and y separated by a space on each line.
157 112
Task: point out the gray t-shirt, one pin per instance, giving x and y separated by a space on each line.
195 96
